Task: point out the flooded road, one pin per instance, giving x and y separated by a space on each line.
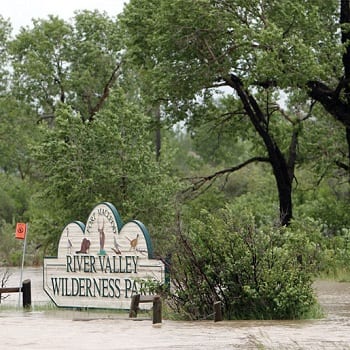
64 329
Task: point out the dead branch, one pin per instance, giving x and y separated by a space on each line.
200 181
4 279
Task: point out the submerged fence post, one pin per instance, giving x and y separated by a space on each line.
134 305
157 310
26 294
217 311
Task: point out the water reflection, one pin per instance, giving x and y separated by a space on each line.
64 329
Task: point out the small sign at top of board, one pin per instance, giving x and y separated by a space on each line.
21 230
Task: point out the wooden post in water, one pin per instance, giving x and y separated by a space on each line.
217 311
26 294
134 305
157 310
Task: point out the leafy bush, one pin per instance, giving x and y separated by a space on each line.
256 270
336 256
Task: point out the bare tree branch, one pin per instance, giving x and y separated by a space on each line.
200 181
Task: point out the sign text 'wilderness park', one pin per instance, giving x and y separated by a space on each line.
101 264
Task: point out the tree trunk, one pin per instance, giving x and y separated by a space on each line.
158 136
283 172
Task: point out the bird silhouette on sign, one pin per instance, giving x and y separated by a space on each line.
133 242
116 246
69 243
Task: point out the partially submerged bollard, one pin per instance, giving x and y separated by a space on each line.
157 310
134 306
26 294
217 311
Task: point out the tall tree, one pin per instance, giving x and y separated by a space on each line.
41 63
111 159
75 63
256 48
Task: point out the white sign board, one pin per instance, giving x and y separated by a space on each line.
101 264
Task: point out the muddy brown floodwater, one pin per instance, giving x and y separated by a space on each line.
68 329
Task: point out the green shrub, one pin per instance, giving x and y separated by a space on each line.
9 245
256 270
336 256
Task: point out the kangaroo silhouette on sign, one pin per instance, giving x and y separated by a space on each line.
85 246
102 237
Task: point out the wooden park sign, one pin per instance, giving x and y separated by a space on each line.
102 264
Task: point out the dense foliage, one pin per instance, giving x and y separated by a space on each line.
256 270
110 159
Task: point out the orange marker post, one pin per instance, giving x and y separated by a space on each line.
21 230
21 233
